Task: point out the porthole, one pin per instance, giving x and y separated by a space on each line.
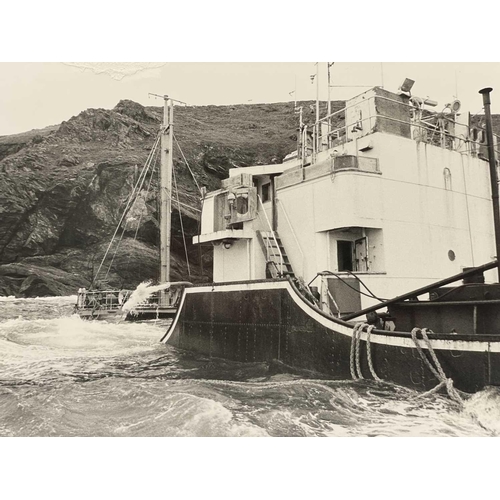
451 255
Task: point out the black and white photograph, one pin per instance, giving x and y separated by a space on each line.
245 248
306 267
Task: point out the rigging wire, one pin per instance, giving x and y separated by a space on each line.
127 207
347 284
154 163
182 224
127 221
362 283
187 164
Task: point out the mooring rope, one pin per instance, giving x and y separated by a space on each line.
358 344
437 369
355 360
352 358
369 353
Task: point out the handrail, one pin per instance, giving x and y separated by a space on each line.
425 289
385 98
420 124
272 232
294 235
460 139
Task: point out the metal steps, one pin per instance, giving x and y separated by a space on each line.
277 260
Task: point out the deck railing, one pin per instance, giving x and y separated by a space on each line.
113 300
446 132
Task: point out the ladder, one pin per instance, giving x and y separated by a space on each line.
276 257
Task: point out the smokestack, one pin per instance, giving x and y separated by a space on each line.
493 170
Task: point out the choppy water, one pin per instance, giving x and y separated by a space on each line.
62 376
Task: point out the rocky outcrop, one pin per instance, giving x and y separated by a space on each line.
64 189
11 144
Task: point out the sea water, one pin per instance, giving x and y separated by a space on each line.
63 376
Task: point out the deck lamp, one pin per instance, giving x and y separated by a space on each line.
406 86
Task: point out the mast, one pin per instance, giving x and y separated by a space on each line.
317 127
493 171
166 189
329 111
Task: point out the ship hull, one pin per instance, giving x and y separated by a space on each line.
270 321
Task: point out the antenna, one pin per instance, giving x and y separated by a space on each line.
329 109
295 92
317 90
167 97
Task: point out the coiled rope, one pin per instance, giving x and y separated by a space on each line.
436 369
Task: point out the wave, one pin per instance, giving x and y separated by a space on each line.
275 407
35 350
65 298
61 375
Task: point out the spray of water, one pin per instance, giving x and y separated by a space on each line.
141 294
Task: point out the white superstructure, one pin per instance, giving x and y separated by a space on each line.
398 196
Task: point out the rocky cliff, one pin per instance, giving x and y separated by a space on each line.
64 189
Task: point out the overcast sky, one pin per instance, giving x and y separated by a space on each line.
34 95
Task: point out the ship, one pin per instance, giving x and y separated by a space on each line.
368 253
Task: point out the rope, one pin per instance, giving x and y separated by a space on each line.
145 171
187 164
154 163
371 296
182 224
369 353
358 342
362 283
157 140
436 369
355 360
354 375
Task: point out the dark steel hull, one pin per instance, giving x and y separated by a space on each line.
270 321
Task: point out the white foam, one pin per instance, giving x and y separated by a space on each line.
65 298
484 409
141 294
71 336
